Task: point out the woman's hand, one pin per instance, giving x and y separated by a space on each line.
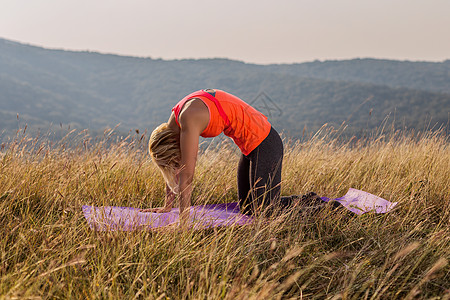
157 209
170 198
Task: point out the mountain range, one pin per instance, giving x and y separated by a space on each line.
46 89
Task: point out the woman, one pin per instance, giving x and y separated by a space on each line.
207 113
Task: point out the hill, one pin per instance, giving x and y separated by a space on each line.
95 91
428 76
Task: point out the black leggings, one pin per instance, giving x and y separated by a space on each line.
259 177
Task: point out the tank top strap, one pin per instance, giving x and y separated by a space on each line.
201 93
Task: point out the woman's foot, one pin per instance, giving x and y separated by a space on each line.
312 203
307 200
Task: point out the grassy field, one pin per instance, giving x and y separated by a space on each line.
49 251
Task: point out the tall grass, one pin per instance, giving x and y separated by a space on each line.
48 250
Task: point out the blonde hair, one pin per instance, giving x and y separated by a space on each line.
164 148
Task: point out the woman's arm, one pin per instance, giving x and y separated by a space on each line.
170 197
193 120
189 148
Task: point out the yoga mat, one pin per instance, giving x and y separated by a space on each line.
212 215
361 202
130 218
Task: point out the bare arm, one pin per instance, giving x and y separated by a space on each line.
170 197
193 120
189 148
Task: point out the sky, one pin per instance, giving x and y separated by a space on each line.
257 31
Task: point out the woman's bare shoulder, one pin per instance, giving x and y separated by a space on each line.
194 111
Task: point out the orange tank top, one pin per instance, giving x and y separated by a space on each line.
232 116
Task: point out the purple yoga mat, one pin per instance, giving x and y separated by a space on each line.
212 215
361 202
130 218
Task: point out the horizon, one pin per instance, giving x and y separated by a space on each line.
217 58
269 32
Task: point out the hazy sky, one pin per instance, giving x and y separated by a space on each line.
259 31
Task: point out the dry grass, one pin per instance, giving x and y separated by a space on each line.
48 250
